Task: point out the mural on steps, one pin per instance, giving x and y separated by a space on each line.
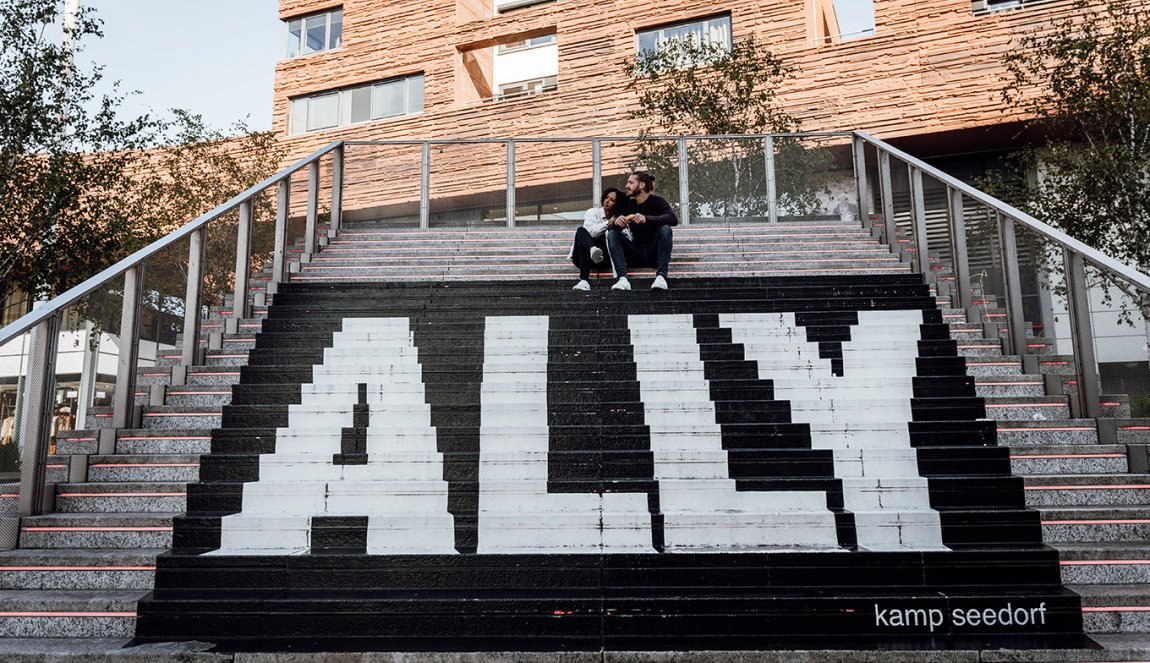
724 466
395 485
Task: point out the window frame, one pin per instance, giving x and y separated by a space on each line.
511 5
526 45
304 23
413 104
660 30
987 7
545 84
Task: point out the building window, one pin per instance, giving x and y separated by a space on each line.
507 5
315 33
709 31
545 40
528 88
991 6
515 67
363 103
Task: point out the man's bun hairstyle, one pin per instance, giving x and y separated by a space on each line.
647 179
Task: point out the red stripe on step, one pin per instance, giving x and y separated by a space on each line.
1070 456
96 529
1104 487
1131 521
1028 405
122 495
1103 562
145 465
1005 384
1036 430
77 568
169 437
67 614
182 414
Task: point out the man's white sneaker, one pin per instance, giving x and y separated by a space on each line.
596 255
659 283
622 284
582 285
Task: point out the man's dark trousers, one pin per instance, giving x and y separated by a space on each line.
624 252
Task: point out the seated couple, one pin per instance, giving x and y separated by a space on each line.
633 228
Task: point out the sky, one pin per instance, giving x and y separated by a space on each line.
856 17
212 57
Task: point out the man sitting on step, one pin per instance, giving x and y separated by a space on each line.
648 218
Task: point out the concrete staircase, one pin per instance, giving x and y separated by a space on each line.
80 571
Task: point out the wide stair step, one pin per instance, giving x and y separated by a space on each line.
97 530
134 497
1069 459
83 569
68 613
1087 490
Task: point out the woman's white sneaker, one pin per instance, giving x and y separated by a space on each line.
659 283
596 255
582 285
622 284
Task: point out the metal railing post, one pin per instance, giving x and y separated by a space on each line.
279 250
886 187
858 149
240 308
312 218
425 187
1082 336
510 184
36 417
684 185
961 256
193 297
336 191
596 171
772 182
918 214
124 398
89 367
1008 245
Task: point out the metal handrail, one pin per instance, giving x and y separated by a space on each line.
1090 254
46 310
1075 254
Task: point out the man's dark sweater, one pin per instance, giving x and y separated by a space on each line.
657 211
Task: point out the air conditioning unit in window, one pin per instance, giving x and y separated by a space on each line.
978 6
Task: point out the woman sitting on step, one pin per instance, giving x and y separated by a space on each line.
590 248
